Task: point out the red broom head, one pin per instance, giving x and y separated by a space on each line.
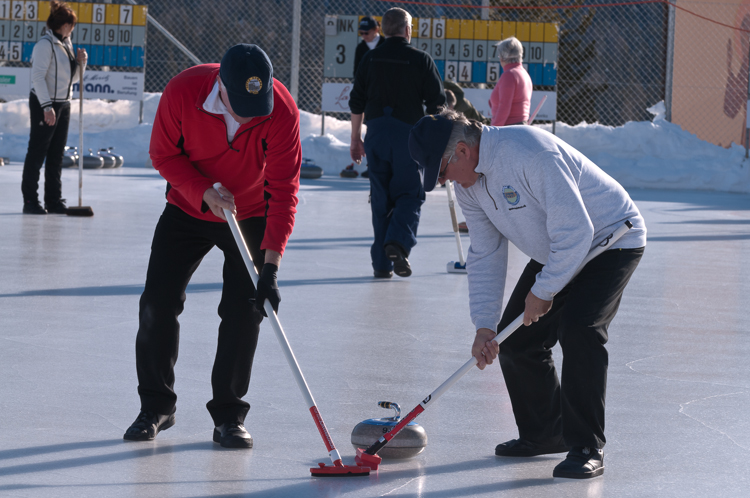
365 460
339 470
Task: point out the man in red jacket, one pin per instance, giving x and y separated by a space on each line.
231 123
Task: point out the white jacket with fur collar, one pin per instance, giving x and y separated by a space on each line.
51 80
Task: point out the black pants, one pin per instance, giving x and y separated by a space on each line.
180 243
45 142
545 408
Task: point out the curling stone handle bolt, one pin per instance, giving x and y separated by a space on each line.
391 404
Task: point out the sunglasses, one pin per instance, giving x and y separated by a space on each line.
441 175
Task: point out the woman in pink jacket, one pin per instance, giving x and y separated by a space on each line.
510 100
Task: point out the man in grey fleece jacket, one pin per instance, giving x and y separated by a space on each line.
523 185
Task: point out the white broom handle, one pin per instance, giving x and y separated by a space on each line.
234 226
515 324
452 206
536 111
80 138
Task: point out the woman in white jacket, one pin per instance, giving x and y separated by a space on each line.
54 68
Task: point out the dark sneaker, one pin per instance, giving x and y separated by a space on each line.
58 207
147 426
349 172
33 207
581 463
365 173
526 448
401 265
233 435
383 274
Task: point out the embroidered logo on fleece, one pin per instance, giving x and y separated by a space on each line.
511 195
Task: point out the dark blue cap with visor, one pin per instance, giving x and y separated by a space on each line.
247 75
367 23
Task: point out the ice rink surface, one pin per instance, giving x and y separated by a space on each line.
678 391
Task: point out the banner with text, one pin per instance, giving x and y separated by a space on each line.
336 99
111 86
16 81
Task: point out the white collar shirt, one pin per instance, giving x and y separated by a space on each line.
214 105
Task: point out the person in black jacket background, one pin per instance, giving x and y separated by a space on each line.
392 84
369 30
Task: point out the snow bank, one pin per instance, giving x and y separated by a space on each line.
103 125
659 154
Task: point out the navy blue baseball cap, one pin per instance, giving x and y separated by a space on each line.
367 23
427 141
247 75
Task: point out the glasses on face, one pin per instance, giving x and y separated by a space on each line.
364 33
441 175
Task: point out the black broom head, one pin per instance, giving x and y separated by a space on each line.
80 211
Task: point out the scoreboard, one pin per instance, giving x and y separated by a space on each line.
112 34
464 50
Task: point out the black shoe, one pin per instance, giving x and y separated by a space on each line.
365 173
401 265
147 426
58 207
526 448
33 207
581 463
383 274
233 435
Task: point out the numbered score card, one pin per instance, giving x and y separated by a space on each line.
464 50
113 35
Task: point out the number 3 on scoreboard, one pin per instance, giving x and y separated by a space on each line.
341 55
451 70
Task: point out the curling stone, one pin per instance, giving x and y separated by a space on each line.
70 157
408 443
109 159
119 160
349 172
310 170
92 161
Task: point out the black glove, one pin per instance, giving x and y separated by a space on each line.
268 288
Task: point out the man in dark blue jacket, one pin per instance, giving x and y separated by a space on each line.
392 84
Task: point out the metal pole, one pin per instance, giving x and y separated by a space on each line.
747 110
670 63
169 36
555 121
485 12
322 123
296 14
145 64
